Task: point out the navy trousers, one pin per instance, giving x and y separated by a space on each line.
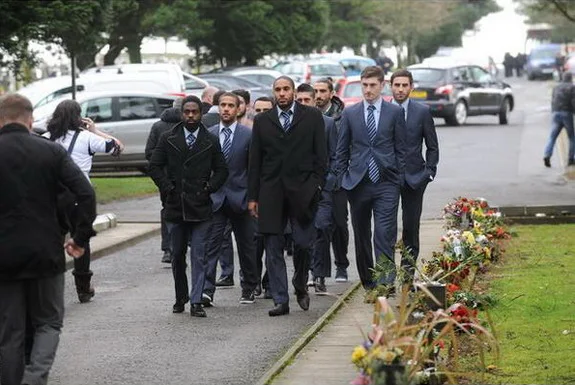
411 207
321 261
340 234
226 256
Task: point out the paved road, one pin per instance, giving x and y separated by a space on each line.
481 159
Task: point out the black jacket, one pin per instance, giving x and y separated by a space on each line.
32 171
563 97
169 118
187 177
335 109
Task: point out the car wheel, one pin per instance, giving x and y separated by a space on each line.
504 111
459 114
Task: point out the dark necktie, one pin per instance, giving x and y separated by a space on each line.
373 170
286 117
227 145
190 140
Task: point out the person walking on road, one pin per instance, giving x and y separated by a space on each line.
187 165
169 118
321 260
32 262
370 161
81 139
418 171
332 106
562 109
230 202
287 169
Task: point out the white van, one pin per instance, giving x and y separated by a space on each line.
46 90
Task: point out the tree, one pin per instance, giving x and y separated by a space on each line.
556 13
346 26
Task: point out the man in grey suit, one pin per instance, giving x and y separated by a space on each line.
418 171
370 161
230 201
324 217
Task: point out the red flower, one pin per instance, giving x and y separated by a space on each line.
452 288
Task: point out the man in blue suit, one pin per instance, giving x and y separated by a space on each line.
370 161
418 171
230 202
324 217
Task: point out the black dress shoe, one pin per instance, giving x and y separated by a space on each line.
303 301
280 309
179 306
207 300
547 162
225 282
196 310
167 258
319 284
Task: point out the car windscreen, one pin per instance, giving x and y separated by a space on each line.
427 75
325 69
543 54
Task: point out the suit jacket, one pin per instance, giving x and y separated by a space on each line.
287 167
187 177
420 127
331 142
32 173
354 147
210 119
235 189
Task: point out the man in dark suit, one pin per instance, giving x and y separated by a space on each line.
33 171
321 260
230 202
418 171
370 161
212 117
288 159
187 165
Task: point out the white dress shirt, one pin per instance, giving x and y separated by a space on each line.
377 104
291 113
222 136
405 106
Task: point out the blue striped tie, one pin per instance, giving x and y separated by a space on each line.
286 115
190 139
373 170
227 146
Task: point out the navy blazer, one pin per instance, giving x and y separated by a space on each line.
420 127
354 147
331 136
235 189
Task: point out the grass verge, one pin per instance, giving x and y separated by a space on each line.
535 316
111 189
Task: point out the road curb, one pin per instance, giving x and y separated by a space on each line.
309 335
120 245
105 222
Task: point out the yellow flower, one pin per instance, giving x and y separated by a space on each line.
487 251
358 354
469 237
388 356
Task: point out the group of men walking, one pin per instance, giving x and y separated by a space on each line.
296 168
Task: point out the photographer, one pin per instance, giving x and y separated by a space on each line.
80 137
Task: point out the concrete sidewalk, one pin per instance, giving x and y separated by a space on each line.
326 359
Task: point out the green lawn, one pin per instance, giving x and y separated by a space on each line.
535 316
111 189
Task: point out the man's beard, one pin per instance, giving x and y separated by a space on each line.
192 126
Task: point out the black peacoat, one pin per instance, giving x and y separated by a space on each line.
287 171
187 177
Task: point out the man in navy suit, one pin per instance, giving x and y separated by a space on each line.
324 218
370 161
418 171
230 202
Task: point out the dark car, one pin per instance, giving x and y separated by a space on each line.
455 91
230 83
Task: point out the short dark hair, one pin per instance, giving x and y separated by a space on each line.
15 107
285 77
192 99
244 94
216 98
326 81
304 87
372 72
264 99
402 73
231 95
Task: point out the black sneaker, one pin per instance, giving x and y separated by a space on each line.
341 275
167 258
547 162
207 300
247 297
320 288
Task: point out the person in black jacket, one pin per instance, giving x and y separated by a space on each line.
33 172
169 118
187 165
562 109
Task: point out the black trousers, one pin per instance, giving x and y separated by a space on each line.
42 300
340 234
411 207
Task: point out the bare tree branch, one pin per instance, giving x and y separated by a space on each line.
562 8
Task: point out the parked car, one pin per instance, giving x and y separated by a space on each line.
456 91
127 115
261 75
541 61
349 90
352 64
311 70
230 83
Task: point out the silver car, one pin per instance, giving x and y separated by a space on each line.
127 116
310 71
